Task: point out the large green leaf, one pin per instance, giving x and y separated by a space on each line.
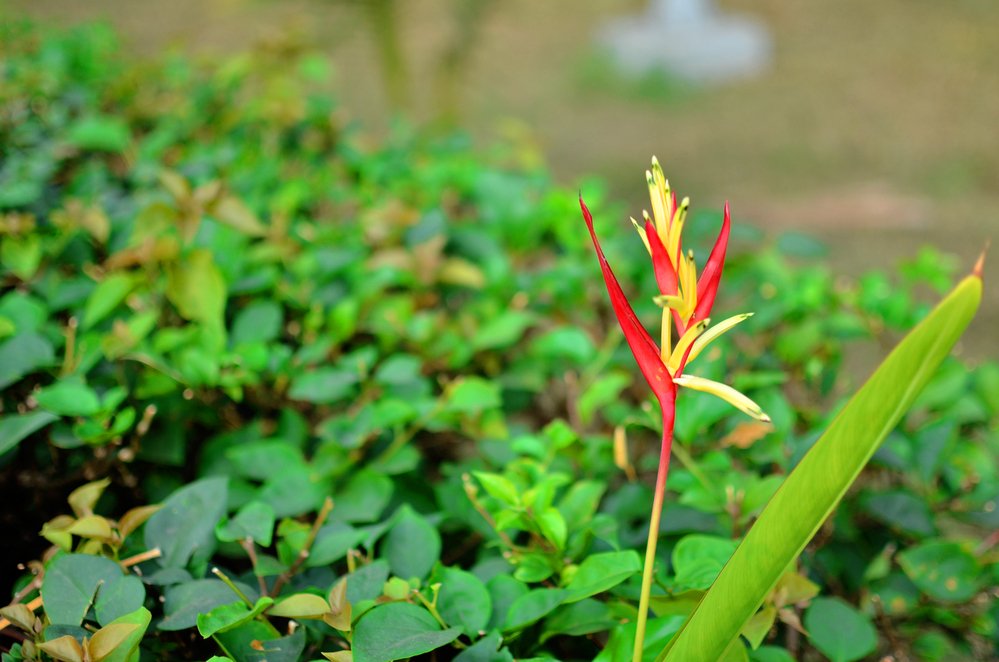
813 489
397 631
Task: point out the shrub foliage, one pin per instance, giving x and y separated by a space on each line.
274 389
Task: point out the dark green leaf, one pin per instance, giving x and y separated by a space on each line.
841 632
412 545
397 631
16 427
464 600
185 526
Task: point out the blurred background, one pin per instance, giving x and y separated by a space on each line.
873 126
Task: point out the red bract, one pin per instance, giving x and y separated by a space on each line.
707 284
642 346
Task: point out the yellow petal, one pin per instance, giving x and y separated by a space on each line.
641 233
676 227
714 332
725 392
668 301
689 336
665 335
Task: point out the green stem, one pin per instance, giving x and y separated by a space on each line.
650 547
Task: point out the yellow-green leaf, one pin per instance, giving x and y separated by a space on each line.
811 492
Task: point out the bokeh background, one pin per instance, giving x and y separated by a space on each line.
875 129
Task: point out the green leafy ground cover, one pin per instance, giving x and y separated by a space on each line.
377 391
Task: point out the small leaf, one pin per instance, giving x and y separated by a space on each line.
69 397
65 648
135 518
499 487
22 355
943 570
185 525
229 616
93 526
20 615
464 600
197 289
412 545
255 520
15 428
104 298
533 606
83 498
69 585
340 608
301 605
600 572
839 631
108 638
397 631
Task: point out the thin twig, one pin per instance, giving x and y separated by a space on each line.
251 551
153 553
303 554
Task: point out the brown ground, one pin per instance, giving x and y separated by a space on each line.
877 129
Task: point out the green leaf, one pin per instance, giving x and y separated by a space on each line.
300 605
502 330
698 558
228 616
196 287
70 585
471 395
943 570
185 525
127 649
464 600
901 510
412 545
533 606
101 133
486 649
324 385
363 497
397 631
105 298
499 487
811 492
118 598
600 572
260 321
14 428
841 632
21 255
69 397
258 641
183 602
579 618
255 520
22 355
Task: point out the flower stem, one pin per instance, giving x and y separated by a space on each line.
650 547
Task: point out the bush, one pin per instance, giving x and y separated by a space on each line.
374 389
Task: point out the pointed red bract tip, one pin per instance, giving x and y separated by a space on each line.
707 284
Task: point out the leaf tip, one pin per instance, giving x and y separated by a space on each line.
979 267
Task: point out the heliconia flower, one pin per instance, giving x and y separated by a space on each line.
686 301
